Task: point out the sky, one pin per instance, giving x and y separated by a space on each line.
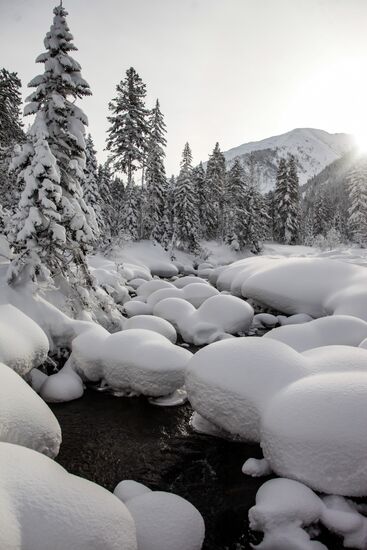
231 71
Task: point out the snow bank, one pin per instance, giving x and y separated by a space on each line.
44 507
226 384
24 417
23 344
135 360
327 331
218 317
165 521
315 431
315 286
150 322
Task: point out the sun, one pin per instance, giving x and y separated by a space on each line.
360 139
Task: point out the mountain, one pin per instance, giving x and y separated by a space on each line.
314 150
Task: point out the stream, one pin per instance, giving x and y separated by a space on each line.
107 439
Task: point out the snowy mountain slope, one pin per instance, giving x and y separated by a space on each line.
314 149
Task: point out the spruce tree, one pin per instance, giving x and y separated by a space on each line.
129 129
92 195
236 207
186 220
55 140
130 222
357 185
11 134
199 188
155 177
286 198
215 191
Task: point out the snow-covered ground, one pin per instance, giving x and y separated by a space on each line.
300 391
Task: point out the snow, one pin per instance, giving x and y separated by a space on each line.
136 307
63 386
161 268
256 467
181 282
225 381
200 425
157 369
44 507
327 331
23 344
284 508
165 521
178 397
297 319
194 293
217 318
24 417
266 320
128 489
150 322
315 431
146 289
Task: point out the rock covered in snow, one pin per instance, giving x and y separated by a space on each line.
327 331
315 431
230 383
25 419
146 289
218 317
135 360
297 319
136 307
76 514
165 521
128 489
150 322
23 344
163 268
65 385
181 282
194 293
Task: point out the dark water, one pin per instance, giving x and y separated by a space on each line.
107 439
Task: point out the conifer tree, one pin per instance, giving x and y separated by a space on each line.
129 129
357 185
236 207
11 134
54 159
104 182
215 191
199 189
286 197
130 223
186 218
155 177
92 195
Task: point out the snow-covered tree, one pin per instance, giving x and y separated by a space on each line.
51 164
129 129
186 220
215 192
11 134
199 188
286 198
155 181
130 229
357 185
92 195
236 217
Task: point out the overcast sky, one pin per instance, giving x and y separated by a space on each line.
224 70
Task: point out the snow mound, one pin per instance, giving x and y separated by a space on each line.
315 431
165 521
23 344
327 331
135 360
181 282
225 381
266 320
313 286
283 507
150 322
162 268
136 307
25 419
63 386
132 271
147 288
194 293
128 489
218 317
335 359
76 513
297 319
